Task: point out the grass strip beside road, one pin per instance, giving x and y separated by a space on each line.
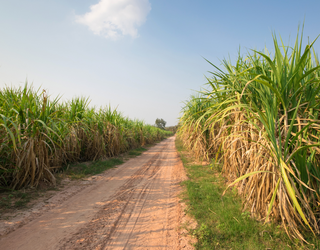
82 170
221 222
86 169
18 199
11 200
137 151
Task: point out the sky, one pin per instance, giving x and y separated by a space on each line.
143 57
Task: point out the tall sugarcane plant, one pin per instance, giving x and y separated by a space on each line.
39 135
262 114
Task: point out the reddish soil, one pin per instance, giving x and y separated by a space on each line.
133 206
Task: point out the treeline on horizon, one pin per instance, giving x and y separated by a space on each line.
38 135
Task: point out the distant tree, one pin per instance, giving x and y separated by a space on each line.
160 123
173 129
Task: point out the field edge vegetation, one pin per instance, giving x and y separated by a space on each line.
38 136
259 117
12 201
222 221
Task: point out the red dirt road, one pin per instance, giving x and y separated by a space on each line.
134 206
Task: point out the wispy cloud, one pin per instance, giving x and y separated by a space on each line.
116 18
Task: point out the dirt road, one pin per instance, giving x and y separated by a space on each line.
134 206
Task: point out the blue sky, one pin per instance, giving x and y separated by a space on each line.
144 56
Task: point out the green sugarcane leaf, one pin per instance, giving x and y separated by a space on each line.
291 193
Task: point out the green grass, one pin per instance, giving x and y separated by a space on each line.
81 170
137 151
221 222
13 200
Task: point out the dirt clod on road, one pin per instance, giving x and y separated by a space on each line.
134 206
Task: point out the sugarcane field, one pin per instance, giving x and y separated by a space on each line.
142 124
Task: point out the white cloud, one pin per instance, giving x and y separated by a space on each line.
115 18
